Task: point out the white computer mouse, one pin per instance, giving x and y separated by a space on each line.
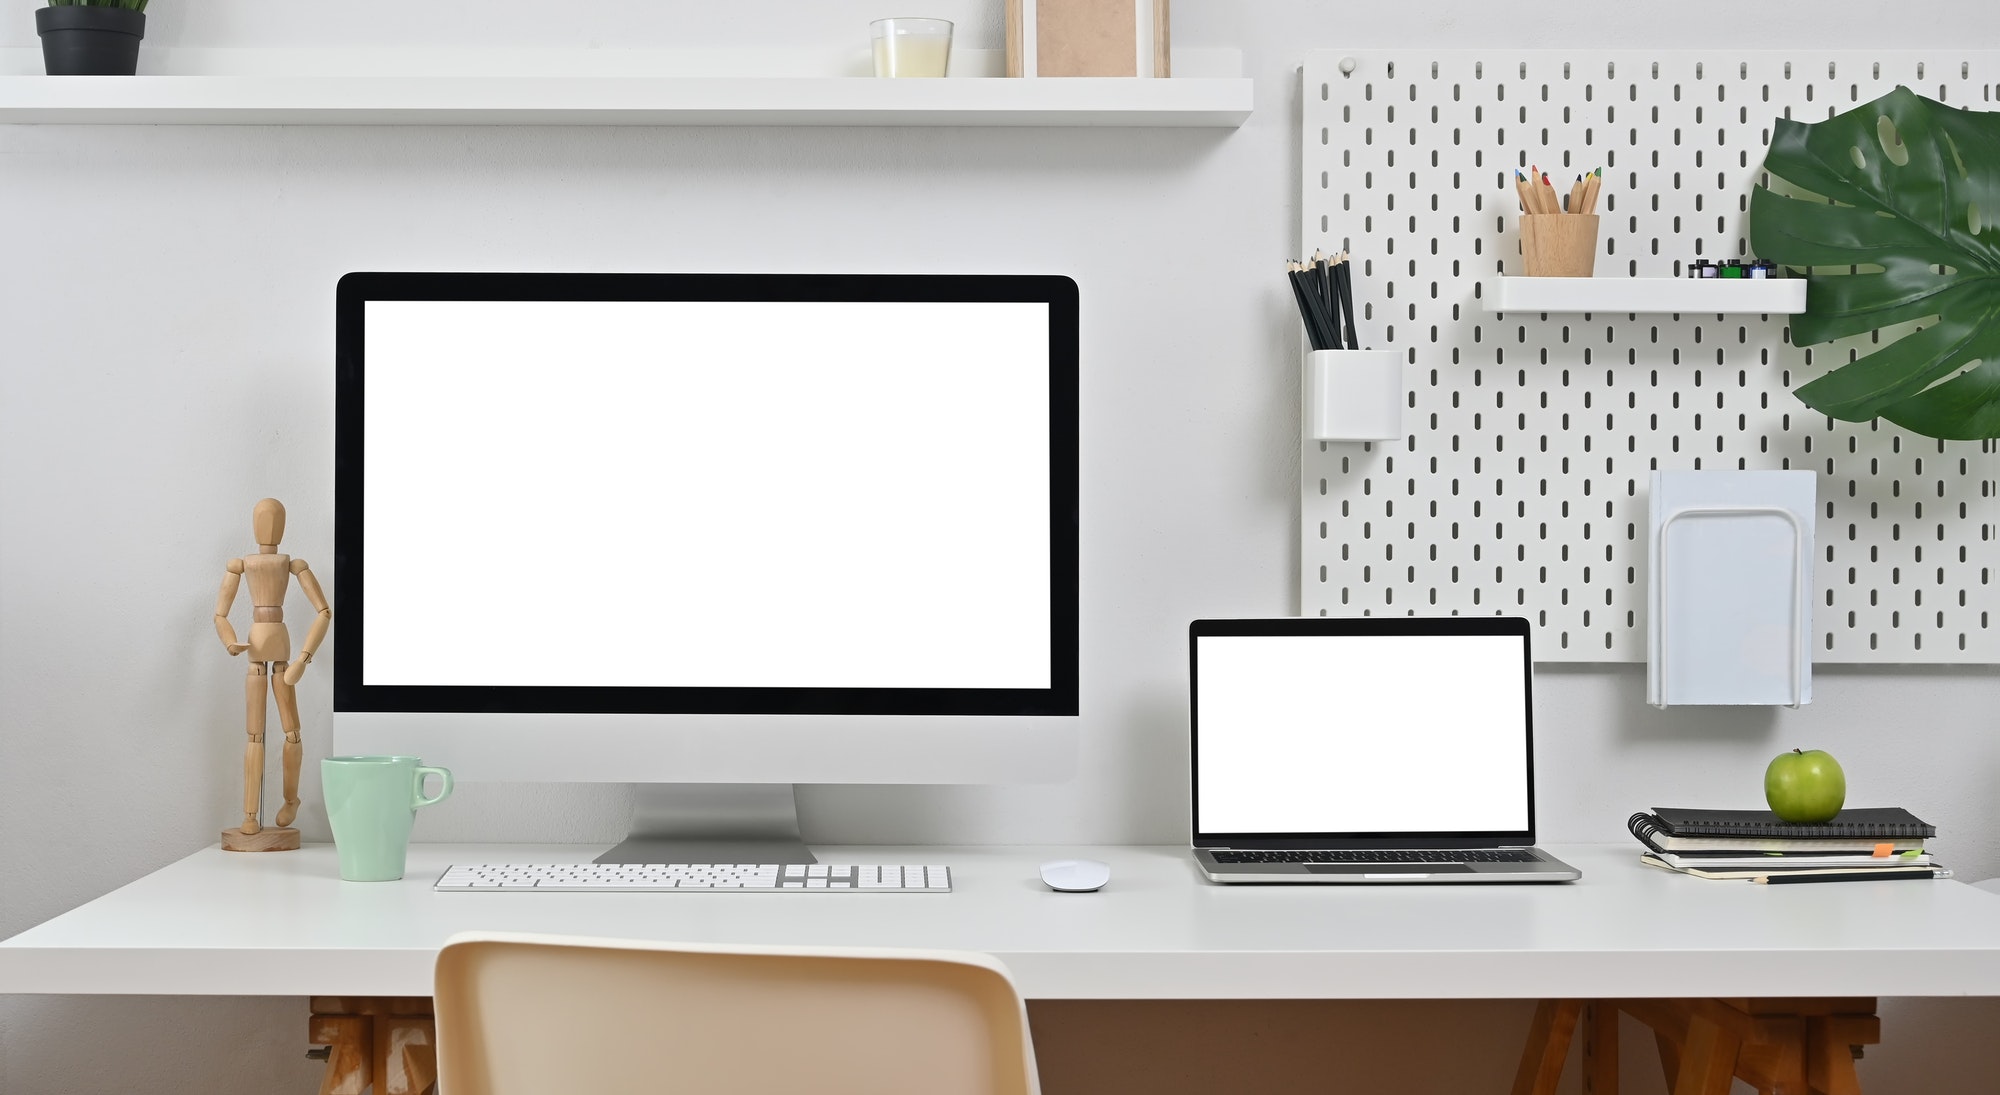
1075 875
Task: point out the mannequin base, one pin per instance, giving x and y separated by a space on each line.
271 838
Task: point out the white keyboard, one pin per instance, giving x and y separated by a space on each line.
677 877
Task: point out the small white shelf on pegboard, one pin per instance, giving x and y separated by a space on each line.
1716 296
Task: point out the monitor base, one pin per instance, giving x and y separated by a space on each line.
712 823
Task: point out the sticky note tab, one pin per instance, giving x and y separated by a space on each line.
1883 851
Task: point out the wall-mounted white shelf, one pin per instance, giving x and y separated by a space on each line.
1221 102
1776 296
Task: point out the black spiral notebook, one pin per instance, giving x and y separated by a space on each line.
1887 822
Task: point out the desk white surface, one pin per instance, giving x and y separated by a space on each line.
283 924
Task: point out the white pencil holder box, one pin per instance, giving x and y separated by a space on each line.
1354 395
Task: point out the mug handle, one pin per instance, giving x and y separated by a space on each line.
417 791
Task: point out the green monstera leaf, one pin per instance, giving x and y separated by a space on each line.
1914 187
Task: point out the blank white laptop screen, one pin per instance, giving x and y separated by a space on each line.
755 494
1361 734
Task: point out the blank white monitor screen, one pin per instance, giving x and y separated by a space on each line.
718 494
1358 734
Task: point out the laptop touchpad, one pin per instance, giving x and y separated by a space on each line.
1387 868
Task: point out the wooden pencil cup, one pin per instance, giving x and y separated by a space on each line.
1559 245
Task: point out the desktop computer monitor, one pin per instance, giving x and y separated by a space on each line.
714 534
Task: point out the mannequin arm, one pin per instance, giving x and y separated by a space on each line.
315 634
230 578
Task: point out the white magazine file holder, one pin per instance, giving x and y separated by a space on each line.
1672 610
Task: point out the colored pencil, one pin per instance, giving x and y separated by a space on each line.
1538 194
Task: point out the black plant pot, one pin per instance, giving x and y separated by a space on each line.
90 41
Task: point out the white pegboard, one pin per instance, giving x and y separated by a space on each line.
1521 486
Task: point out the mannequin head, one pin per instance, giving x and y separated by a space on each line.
268 519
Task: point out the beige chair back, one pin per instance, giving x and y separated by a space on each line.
550 1015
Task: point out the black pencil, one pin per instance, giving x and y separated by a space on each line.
1876 875
1316 324
1327 295
1333 315
1305 310
1345 277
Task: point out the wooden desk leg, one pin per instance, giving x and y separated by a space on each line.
1832 1043
1709 1065
349 1037
380 1044
1600 1048
405 1054
1548 1047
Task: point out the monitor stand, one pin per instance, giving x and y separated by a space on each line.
712 823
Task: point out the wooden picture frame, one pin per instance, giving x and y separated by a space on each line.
1087 38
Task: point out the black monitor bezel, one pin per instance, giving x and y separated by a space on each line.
1508 626
1061 697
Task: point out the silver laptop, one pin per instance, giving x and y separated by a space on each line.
1372 750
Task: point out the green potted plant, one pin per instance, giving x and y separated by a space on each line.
1893 210
91 37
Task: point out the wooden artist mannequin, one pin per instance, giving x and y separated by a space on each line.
270 648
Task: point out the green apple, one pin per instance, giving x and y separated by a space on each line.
1805 785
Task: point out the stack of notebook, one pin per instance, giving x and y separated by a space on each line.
1755 845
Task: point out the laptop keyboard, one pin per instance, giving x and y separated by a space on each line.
1377 855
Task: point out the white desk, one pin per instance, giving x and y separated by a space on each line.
282 924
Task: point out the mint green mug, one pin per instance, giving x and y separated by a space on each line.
371 802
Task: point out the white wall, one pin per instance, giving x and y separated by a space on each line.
165 360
